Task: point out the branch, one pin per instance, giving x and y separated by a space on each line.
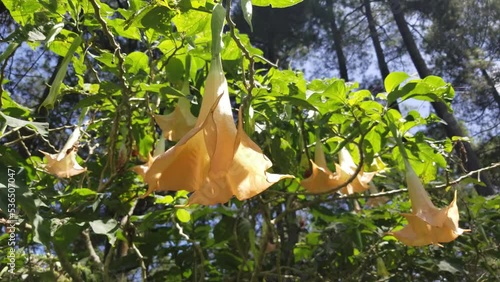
66 264
122 109
195 245
141 260
90 247
492 166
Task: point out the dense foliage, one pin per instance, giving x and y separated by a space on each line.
106 68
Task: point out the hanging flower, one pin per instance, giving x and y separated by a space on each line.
180 121
63 164
215 160
373 202
159 149
323 180
427 224
346 169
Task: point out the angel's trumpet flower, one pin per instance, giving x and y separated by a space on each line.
323 180
159 149
346 169
180 121
64 163
427 224
215 160
375 201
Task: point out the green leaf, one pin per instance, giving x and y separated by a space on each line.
103 227
89 101
394 79
164 199
61 73
183 215
83 192
275 3
158 18
40 127
223 230
448 267
246 8
41 228
24 11
8 51
192 22
137 61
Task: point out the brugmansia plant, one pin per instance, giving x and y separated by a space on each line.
214 160
323 180
426 223
173 185
178 123
64 164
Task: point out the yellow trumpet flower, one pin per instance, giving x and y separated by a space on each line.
427 224
323 180
63 164
346 169
180 121
215 160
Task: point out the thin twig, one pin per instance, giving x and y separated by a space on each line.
90 247
141 260
246 54
122 110
198 249
492 166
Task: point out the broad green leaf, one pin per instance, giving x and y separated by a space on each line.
302 252
89 101
40 127
8 51
183 215
448 267
83 192
61 73
158 18
275 3
41 227
192 22
223 229
100 226
246 8
394 79
164 199
24 11
131 32
137 61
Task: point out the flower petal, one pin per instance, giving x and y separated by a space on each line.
321 180
64 167
416 233
247 176
178 123
212 193
182 167
421 203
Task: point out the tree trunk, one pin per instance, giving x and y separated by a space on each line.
464 150
382 64
491 84
337 44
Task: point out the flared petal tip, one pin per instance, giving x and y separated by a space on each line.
273 178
